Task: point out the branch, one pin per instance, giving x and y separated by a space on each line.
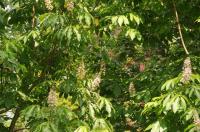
3 110
179 28
14 120
20 129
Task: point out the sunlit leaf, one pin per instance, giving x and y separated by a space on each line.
176 105
82 129
120 20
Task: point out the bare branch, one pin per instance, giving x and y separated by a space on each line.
3 110
14 120
179 28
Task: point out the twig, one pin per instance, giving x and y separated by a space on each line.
179 28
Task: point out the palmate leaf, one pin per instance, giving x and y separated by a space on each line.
169 84
133 33
197 92
62 112
46 127
101 125
175 103
78 35
158 126
120 20
126 21
105 103
195 77
31 111
136 18
50 20
68 32
88 19
191 128
193 90
166 100
114 20
91 111
183 103
82 129
189 113
149 107
108 107
123 20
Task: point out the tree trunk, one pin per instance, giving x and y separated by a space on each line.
14 120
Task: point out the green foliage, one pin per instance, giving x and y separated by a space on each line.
179 98
97 65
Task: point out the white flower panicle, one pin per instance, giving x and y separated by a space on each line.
102 68
69 5
48 4
52 98
81 70
96 82
131 89
116 32
196 119
187 70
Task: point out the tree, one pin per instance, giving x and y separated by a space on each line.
96 65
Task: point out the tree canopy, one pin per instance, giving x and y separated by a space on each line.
99 65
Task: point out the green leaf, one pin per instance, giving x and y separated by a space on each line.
189 114
108 107
82 129
114 20
176 105
88 19
101 103
197 93
69 33
191 128
78 35
24 96
195 77
91 111
136 18
31 111
166 100
169 84
198 20
183 103
125 20
46 127
158 126
131 33
101 125
120 20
